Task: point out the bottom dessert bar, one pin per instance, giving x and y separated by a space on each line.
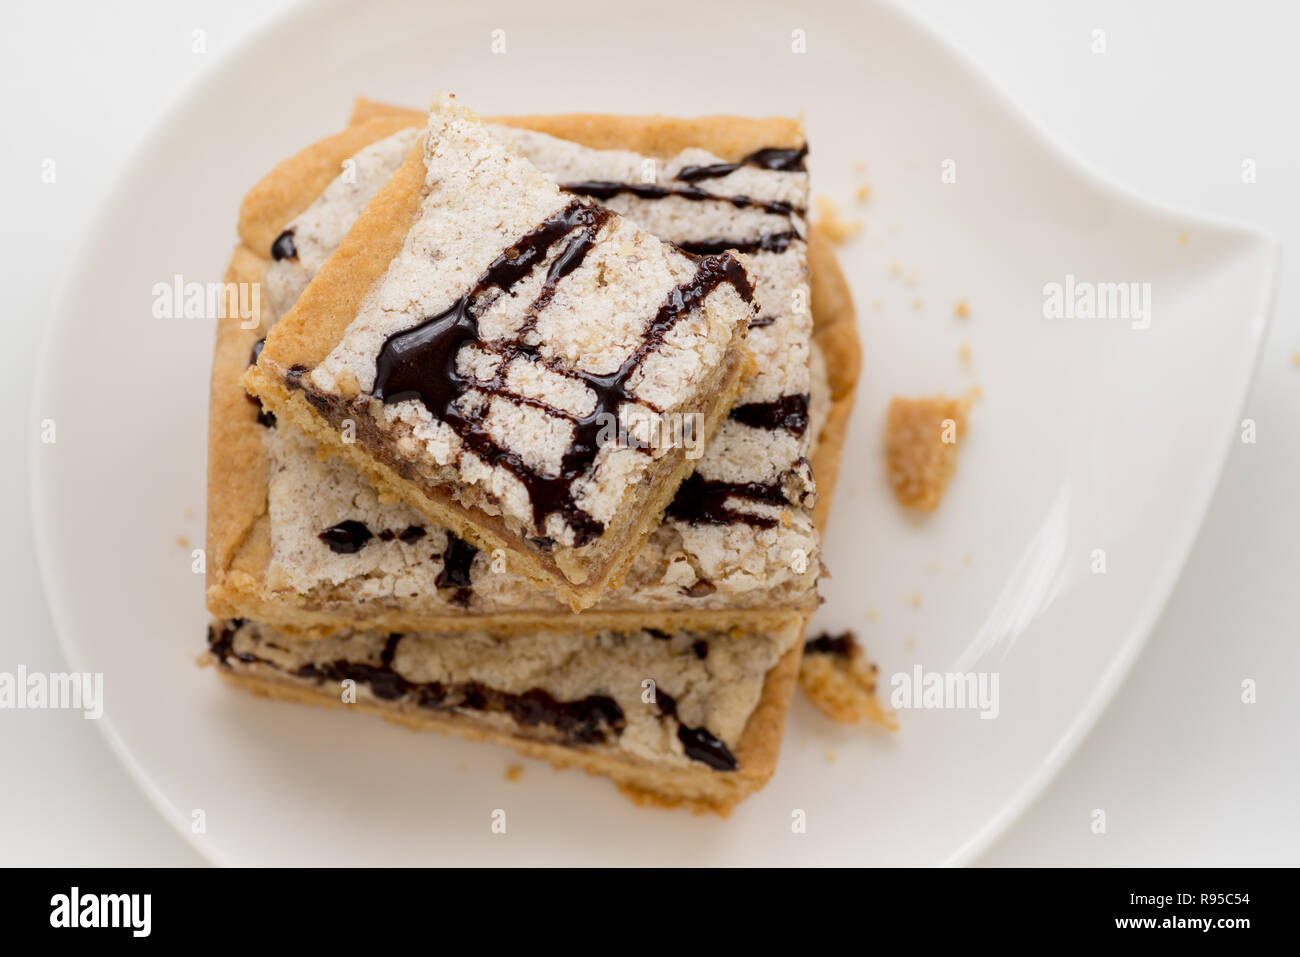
688 718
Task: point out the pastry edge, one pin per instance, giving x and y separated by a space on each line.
700 790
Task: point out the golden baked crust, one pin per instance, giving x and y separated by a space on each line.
835 332
237 462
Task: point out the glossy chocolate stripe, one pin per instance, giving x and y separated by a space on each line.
771 158
608 189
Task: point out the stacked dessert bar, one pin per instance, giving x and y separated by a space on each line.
416 505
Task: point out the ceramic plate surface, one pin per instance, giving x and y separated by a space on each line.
1091 434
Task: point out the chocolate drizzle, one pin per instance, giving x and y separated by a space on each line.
588 720
420 362
457 558
350 536
841 646
701 745
790 412
346 538
701 501
608 189
284 248
769 243
221 642
264 416
771 158
698 743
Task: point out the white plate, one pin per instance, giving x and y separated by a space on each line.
1090 435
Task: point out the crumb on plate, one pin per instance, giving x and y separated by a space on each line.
840 681
921 438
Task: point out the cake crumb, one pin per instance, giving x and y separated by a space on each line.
188 512
912 277
896 268
1182 239
515 772
182 541
859 166
873 614
829 755
964 354
968 559
862 193
910 643
918 305
1295 358
962 309
836 227
840 681
915 600
921 438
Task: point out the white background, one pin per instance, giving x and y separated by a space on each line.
1184 93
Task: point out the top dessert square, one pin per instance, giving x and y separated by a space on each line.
521 365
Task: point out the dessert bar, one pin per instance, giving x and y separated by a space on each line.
302 538
689 718
304 543
522 365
